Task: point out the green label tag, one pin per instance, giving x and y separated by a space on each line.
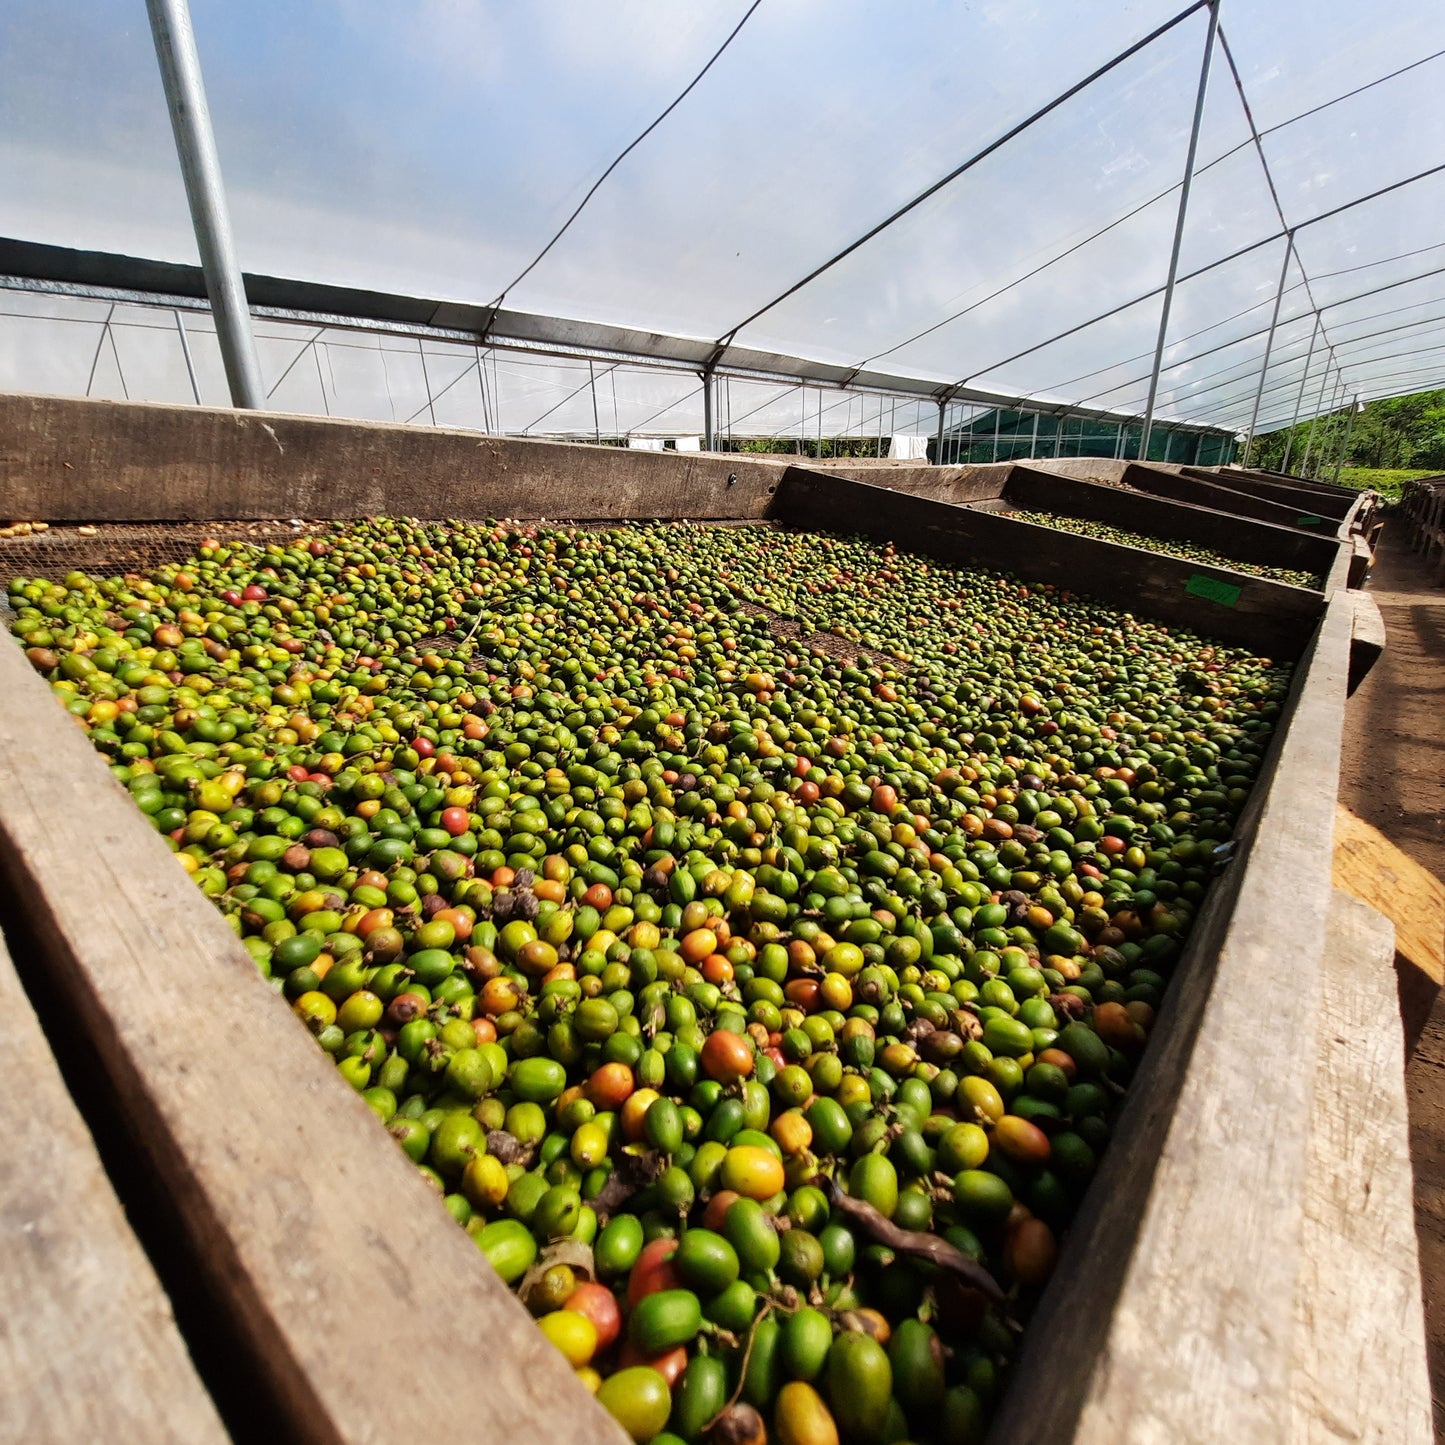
1212 589
1308 521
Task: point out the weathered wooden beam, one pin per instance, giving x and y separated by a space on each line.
1213 492
67 459
1172 1314
1360 1369
88 1345
1244 539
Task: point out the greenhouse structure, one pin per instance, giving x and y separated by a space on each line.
722 722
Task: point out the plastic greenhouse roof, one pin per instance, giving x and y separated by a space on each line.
433 150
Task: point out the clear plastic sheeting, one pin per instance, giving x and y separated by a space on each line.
133 352
436 150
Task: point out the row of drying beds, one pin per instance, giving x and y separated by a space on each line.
1422 504
1231 1278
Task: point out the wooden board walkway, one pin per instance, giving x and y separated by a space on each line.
1360 1368
1369 866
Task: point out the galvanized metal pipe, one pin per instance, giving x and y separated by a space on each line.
186 352
1268 346
1335 396
1179 226
1315 420
1300 395
180 65
707 419
1345 445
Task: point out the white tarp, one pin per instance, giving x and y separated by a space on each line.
908 448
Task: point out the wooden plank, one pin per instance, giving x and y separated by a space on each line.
1242 539
1214 493
88 1346
1181 1327
1368 865
314 1238
1374 870
1308 498
1360 1370
72 459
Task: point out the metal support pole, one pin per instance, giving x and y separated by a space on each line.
1345 445
1300 396
1334 407
186 352
1268 346
1179 226
938 440
596 421
1314 421
425 379
1059 434
1034 438
997 416
175 43
707 418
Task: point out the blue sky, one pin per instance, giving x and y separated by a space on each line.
432 147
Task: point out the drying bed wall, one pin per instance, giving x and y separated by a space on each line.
1212 492
1309 497
944 484
271 1181
1245 611
68 460
1240 538
87 1338
1193 1300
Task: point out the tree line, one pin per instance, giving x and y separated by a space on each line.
1398 432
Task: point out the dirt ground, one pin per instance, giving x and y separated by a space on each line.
1394 777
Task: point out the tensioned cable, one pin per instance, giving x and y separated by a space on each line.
1243 397
1328 305
1351 94
1257 141
1027 276
686 396
1372 389
997 143
1268 174
1383 261
1190 393
1227 405
591 381
1147 355
1434 322
1254 139
433 398
788 387
1202 270
597 184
